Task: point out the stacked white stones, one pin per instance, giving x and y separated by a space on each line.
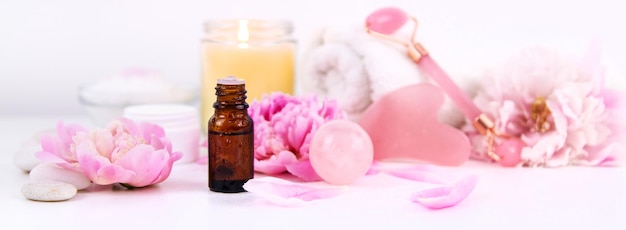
48 181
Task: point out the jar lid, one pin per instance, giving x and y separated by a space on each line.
257 30
160 112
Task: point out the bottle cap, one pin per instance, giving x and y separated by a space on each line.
231 80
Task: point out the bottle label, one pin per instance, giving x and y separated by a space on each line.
231 156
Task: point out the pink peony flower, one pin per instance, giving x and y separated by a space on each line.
132 153
283 128
558 107
60 148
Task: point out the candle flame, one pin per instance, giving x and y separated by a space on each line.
243 35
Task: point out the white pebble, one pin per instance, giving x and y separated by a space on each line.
25 158
49 191
52 172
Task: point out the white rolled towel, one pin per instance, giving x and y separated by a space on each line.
345 63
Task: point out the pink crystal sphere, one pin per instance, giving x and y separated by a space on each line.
386 20
510 151
341 152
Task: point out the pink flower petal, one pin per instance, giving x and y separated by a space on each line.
374 169
49 157
66 132
110 174
75 166
613 98
447 196
50 144
304 149
167 169
599 155
286 157
421 173
286 193
58 145
145 162
104 142
89 159
303 170
143 129
270 166
98 168
161 143
296 133
276 163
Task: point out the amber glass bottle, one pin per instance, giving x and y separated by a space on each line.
231 138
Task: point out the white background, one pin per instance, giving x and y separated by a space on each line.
49 48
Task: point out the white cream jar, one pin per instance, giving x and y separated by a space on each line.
181 124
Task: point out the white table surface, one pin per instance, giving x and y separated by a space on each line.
505 198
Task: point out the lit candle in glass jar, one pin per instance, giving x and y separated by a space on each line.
261 52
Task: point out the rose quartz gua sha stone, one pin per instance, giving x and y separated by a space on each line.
341 152
403 124
383 22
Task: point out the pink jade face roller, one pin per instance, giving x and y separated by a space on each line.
384 22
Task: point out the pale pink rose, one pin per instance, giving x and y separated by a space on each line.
283 128
135 154
582 124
